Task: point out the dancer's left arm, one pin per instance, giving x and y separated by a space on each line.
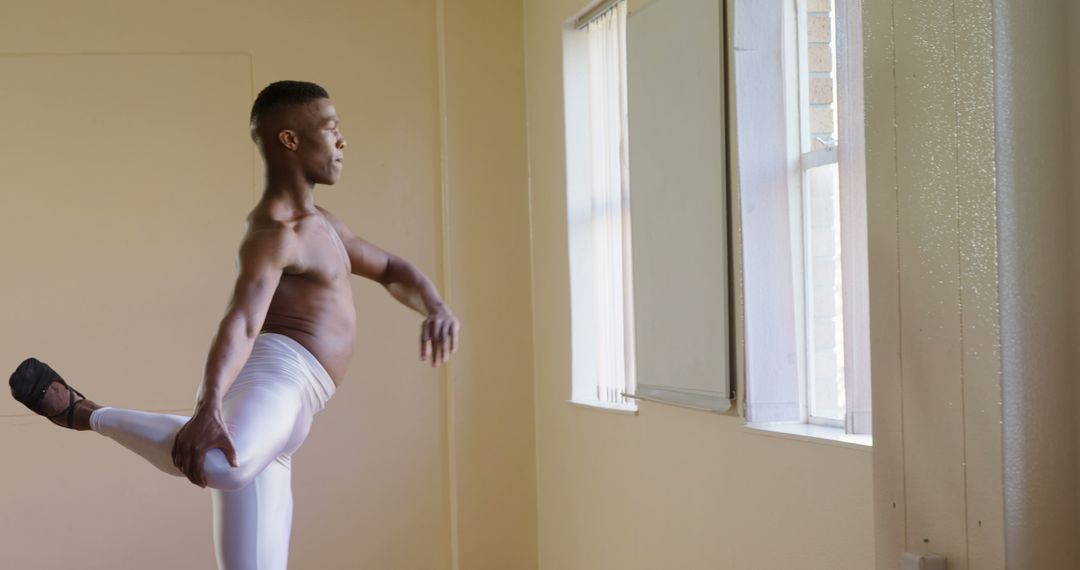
440 332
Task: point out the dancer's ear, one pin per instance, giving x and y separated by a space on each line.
288 139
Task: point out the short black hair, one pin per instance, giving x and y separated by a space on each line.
284 93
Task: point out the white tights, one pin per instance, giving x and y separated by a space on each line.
268 412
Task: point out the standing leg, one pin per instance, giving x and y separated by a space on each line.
268 420
252 525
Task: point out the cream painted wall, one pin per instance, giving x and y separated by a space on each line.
408 468
373 483
1074 96
971 220
933 281
669 487
485 173
1037 216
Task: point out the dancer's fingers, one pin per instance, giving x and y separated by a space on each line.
426 332
433 339
445 334
438 340
177 457
182 461
186 468
194 466
197 467
230 452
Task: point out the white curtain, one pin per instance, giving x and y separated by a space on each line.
611 205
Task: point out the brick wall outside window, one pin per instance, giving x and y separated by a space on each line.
823 247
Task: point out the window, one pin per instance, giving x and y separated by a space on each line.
650 72
598 213
810 313
819 182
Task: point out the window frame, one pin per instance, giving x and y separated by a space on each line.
770 394
808 159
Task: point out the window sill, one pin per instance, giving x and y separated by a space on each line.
606 407
824 435
701 400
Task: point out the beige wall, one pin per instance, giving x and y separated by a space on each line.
410 468
1074 97
1038 189
491 424
972 268
933 281
127 178
670 487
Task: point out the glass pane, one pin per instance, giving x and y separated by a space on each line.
825 314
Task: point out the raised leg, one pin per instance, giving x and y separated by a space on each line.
148 434
268 419
261 418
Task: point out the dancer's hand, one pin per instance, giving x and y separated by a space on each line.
203 432
439 335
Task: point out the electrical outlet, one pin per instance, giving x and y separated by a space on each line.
913 561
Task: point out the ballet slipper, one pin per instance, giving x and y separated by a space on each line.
30 382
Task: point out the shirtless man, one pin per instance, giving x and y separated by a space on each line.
280 351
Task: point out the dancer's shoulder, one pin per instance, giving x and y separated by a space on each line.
269 246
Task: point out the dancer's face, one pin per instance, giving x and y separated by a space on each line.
320 149
305 137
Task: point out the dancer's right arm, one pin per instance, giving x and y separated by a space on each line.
262 259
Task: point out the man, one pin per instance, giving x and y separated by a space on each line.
280 351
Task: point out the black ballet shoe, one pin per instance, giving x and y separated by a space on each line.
30 382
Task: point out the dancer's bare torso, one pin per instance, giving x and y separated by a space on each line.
313 303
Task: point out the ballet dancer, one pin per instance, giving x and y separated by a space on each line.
281 349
